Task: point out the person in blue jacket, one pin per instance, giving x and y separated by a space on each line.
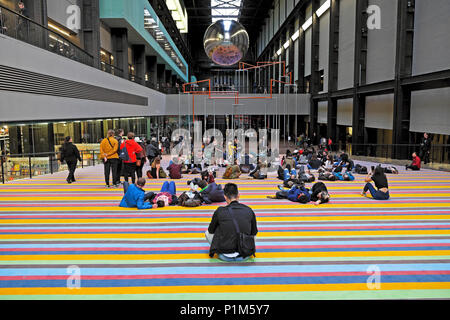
135 196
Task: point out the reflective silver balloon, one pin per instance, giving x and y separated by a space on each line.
226 42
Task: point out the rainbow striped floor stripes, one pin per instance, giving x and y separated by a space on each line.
335 251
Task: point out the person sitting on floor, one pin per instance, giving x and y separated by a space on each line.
381 183
135 196
232 172
415 165
208 176
174 169
226 223
314 163
260 172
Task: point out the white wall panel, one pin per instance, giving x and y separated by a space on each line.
308 43
380 112
431 36
324 47
347 12
430 111
381 44
322 112
345 112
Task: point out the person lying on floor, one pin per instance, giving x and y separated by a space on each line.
381 183
167 196
135 196
298 193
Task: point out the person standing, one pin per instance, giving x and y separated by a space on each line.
70 154
141 158
132 147
120 166
425 148
109 151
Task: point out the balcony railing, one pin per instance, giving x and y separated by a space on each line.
22 28
22 166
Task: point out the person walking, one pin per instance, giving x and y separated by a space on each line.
128 151
70 154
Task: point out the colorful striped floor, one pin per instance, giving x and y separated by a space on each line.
303 251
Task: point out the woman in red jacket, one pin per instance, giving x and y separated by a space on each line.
130 165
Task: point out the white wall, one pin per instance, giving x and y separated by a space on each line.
430 111
347 12
381 44
322 112
380 111
431 36
345 112
324 47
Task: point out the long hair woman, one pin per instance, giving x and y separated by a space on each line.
379 178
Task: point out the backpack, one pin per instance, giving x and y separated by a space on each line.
123 154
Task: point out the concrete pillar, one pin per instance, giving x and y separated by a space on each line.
161 75
139 63
120 49
150 66
90 29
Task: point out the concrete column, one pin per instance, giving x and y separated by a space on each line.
90 29
161 75
120 49
139 62
150 66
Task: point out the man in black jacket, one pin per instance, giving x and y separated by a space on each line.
425 148
70 154
222 233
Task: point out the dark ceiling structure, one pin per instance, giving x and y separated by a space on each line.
252 15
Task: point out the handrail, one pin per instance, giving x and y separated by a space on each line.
46 28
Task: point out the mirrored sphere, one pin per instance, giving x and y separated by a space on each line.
226 42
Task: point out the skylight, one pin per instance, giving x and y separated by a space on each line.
225 9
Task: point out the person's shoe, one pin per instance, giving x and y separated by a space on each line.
271 197
406 168
107 186
280 187
117 185
69 181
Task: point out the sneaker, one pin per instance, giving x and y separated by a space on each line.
107 186
280 187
